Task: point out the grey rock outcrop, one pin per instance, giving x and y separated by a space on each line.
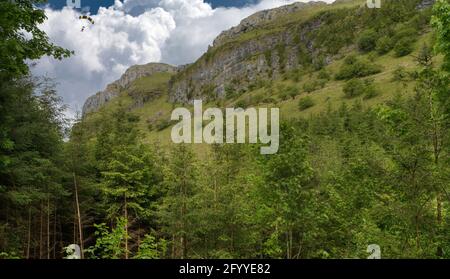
112 90
232 67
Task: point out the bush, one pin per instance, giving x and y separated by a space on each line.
353 88
241 104
404 47
292 91
357 87
324 74
370 90
367 40
268 100
321 83
384 45
354 68
309 86
400 74
305 103
162 124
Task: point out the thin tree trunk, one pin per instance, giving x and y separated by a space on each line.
48 228
29 233
126 228
54 235
40 234
80 228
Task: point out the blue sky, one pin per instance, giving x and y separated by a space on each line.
95 4
176 32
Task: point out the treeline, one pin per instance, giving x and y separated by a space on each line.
341 180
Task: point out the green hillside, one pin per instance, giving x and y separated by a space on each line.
317 84
363 156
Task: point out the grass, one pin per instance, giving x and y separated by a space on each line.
331 95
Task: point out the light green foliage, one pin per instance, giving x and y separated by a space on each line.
109 244
441 21
15 46
150 248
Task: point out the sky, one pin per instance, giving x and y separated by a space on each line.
130 32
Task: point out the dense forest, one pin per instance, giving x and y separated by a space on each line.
342 179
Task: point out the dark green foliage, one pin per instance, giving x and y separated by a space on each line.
342 179
15 48
404 46
367 40
163 124
384 45
305 102
358 87
354 67
324 75
292 91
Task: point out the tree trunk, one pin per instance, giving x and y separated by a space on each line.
29 233
126 227
80 228
48 228
40 234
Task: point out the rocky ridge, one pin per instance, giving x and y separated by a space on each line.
112 90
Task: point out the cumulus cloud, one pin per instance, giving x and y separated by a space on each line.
132 32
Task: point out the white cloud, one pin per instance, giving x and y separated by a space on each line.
133 32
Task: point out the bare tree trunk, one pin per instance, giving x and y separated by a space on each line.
40 234
173 246
126 227
48 228
80 227
54 235
29 233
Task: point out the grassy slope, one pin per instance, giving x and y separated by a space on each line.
331 95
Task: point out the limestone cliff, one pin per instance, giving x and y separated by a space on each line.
265 51
94 102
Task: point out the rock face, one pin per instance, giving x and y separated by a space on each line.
425 4
256 19
112 90
231 67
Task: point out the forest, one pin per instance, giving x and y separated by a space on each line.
342 179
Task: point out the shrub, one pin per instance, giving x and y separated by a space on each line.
367 40
384 45
257 99
353 88
241 104
357 87
292 91
354 68
400 74
370 90
324 74
321 83
268 100
283 96
305 103
404 46
162 124
309 86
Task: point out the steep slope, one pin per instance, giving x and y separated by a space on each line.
133 73
280 58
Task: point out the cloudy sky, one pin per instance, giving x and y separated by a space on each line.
130 32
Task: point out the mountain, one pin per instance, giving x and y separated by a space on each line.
278 57
133 73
